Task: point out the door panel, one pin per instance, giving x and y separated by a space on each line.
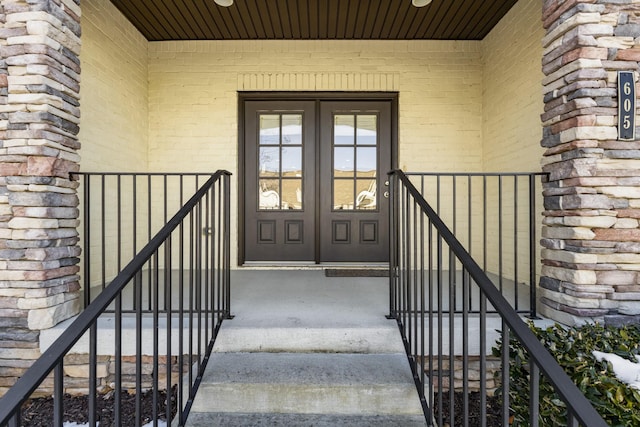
355 149
279 167
313 170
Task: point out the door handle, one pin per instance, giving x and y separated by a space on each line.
386 194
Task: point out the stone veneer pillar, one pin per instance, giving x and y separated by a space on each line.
39 117
590 236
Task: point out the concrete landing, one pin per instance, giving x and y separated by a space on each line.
307 350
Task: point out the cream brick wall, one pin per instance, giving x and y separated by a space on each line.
193 94
114 91
512 91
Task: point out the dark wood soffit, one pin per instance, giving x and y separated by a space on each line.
314 19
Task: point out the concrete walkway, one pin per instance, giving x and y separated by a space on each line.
304 350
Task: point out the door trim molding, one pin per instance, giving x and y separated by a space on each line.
244 96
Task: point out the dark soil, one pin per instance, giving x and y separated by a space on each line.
39 412
494 410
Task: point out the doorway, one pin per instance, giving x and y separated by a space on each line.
314 179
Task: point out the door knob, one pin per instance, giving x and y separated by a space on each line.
386 194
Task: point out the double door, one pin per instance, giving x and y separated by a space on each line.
315 181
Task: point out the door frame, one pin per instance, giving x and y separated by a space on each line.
243 97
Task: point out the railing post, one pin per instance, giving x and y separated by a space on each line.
393 233
227 244
532 247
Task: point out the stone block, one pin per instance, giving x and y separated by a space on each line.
626 223
564 299
48 317
581 277
616 277
620 320
82 371
621 192
569 257
579 233
617 235
590 221
631 308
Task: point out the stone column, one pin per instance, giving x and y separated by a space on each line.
39 118
590 236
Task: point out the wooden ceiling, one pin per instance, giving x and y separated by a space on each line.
313 19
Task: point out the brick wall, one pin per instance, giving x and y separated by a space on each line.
115 107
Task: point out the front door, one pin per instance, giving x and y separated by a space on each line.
314 180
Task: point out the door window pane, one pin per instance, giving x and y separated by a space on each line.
366 194
292 161
269 194
292 129
269 161
344 129
367 161
280 168
291 194
343 194
367 132
343 159
269 129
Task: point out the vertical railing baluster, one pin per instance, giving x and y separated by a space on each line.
93 381
168 298
500 281
137 286
439 283
393 244
506 343
181 272
86 181
117 403
155 306
516 302
534 390
483 359
431 254
58 394
103 233
465 347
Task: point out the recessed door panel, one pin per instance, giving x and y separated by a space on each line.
312 175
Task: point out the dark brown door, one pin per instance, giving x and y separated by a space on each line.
314 181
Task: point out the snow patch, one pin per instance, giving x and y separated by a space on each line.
625 370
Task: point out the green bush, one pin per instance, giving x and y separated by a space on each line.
618 404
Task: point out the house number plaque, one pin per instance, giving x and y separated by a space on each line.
626 106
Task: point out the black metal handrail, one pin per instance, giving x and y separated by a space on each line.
494 215
203 302
422 249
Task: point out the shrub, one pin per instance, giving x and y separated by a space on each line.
618 404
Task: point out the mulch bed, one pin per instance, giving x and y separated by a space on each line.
494 410
39 412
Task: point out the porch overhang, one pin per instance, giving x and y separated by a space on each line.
314 19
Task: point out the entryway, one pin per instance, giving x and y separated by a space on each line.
313 183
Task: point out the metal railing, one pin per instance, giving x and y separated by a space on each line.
441 342
169 341
494 216
121 211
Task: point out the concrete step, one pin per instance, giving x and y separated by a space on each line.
303 420
380 340
299 383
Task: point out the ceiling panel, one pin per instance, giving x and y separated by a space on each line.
313 19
